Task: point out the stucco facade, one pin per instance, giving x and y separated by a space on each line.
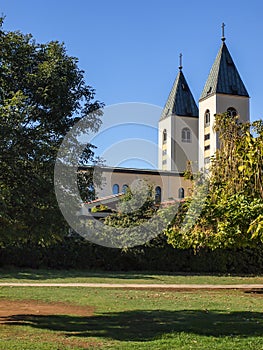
171 184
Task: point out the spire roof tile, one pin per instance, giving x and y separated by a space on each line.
180 101
224 77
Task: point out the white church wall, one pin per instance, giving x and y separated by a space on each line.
240 103
186 151
204 105
164 160
169 182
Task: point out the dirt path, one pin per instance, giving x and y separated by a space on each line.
139 286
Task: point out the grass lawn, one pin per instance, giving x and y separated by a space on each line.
71 276
134 319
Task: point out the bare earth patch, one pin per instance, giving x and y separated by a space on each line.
34 307
15 312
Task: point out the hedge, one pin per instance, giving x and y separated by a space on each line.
78 254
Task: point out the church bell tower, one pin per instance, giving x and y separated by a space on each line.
224 91
178 128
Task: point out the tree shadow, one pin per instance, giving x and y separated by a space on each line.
146 325
45 274
42 275
258 291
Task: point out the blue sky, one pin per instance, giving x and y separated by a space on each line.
129 49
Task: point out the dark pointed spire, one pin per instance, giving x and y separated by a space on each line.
224 77
180 101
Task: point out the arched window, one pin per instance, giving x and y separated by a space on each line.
92 192
181 193
207 160
164 136
115 189
186 135
158 195
124 188
207 117
232 112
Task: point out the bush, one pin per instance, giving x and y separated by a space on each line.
80 254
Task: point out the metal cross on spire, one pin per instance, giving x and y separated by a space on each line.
180 61
223 32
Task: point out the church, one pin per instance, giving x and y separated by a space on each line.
185 130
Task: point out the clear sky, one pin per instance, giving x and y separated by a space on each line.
129 49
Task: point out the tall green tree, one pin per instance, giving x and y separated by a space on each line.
231 196
42 95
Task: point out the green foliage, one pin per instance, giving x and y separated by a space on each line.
135 221
42 95
100 208
231 195
73 253
135 208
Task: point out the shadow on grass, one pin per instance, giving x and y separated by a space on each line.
258 291
41 275
146 325
45 274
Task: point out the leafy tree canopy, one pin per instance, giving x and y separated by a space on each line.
42 95
231 195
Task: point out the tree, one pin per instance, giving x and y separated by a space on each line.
135 208
232 202
42 95
136 220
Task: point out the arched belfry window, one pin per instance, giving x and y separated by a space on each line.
186 135
207 117
164 136
232 112
115 189
124 188
158 195
181 193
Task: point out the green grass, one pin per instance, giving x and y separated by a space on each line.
68 276
137 319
